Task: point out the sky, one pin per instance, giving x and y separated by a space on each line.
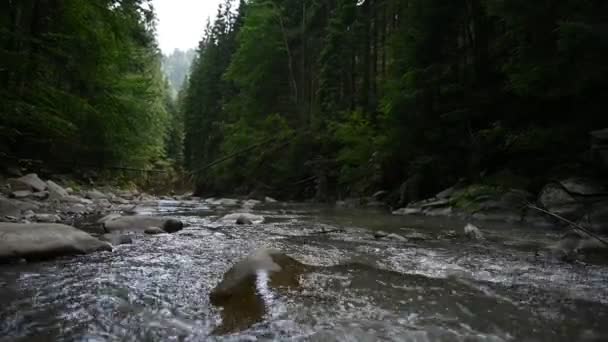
181 22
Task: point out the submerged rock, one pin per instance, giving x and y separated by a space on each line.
575 243
473 232
242 218
141 223
41 241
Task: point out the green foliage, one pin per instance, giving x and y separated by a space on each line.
87 87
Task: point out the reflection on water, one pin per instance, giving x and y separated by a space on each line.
356 288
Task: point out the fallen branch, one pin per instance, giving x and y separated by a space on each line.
573 224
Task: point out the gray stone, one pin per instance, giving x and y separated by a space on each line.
109 217
36 241
473 232
21 194
243 218
396 237
10 207
56 192
584 187
77 208
154 231
417 236
408 211
95 195
41 195
555 199
270 200
141 223
379 234
46 218
447 211
28 182
378 195
447 193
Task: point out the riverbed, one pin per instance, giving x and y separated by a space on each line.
430 285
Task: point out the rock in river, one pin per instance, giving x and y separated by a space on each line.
41 241
473 232
142 222
242 218
246 290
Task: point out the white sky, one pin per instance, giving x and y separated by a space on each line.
181 22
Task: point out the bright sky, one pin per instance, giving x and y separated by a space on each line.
181 22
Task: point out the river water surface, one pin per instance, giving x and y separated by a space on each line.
433 287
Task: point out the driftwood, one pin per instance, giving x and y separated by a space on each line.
572 224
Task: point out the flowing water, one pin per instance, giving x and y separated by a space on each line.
430 288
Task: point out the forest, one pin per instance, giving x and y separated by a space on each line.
316 99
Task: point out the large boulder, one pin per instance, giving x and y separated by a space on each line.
597 217
141 223
28 182
243 288
557 200
41 241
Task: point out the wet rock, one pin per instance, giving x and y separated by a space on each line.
46 218
222 201
584 187
141 223
574 243
245 285
95 195
379 195
417 236
108 217
270 200
447 193
472 232
41 195
77 208
243 218
117 239
557 200
56 192
41 241
408 211
249 204
396 237
13 207
21 194
27 182
447 211
379 234
154 231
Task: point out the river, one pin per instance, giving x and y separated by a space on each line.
433 287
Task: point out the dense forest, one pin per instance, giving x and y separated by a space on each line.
81 83
345 97
312 98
